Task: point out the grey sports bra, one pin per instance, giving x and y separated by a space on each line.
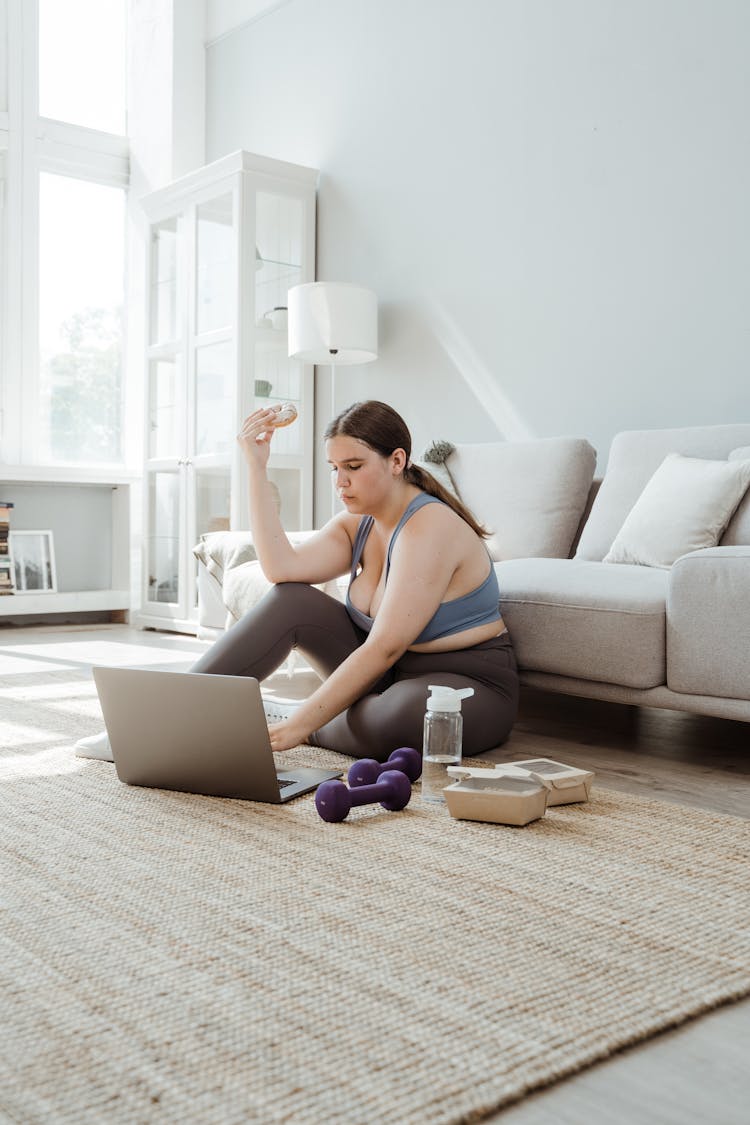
478 607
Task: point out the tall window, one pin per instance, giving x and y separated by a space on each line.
81 277
3 56
68 172
82 63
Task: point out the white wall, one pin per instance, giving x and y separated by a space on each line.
550 197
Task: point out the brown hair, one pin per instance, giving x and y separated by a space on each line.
383 430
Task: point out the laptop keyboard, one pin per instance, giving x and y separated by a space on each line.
283 782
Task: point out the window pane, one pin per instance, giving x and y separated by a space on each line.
81 290
82 49
3 55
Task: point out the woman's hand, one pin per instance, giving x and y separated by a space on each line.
286 735
255 437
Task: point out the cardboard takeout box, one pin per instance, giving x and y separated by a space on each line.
568 783
494 796
515 792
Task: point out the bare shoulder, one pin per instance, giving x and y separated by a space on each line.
439 526
344 524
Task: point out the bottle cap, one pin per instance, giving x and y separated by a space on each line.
447 698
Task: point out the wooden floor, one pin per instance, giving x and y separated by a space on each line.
691 760
698 1074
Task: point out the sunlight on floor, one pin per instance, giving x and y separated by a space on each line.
66 690
12 665
101 652
21 734
44 763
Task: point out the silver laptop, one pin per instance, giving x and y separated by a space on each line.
196 733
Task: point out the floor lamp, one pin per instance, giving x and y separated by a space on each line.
332 322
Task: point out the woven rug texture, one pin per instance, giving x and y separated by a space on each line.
181 959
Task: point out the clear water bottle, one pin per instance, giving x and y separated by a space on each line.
443 732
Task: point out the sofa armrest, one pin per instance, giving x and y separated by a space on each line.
708 623
218 551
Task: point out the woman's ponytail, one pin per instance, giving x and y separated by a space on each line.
423 479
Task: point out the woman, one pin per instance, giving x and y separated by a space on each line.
422 605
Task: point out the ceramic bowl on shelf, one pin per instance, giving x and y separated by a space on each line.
279 317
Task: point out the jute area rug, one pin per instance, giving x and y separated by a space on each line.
172 958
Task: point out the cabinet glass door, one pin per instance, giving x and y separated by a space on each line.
212 508
163 302
164 410
279 239
214 270
214 422
279 228
287 486
163 544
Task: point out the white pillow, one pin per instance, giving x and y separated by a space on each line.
221 550
685 506
531 494
738 529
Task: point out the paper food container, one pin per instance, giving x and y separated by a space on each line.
495 796
568 784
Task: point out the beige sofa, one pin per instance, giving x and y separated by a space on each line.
635 589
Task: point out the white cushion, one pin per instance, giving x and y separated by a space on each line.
529 494
685 506
737 533
633 457
221 550
571 617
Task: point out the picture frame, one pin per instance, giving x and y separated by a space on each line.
33 554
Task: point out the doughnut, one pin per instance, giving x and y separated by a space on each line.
287 413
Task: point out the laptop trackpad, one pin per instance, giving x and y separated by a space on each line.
302 780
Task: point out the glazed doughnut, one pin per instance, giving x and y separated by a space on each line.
287 413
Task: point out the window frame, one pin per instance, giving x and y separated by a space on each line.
32 145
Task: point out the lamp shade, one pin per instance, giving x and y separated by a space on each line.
332 322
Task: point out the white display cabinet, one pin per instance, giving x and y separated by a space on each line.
227 242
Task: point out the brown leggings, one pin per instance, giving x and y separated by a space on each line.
294 615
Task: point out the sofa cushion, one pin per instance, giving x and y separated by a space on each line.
633 458
582 619
685 507
529 494
737 533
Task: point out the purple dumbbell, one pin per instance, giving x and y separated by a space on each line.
367 771
333 799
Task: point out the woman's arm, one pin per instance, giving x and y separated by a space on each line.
425 557
323 556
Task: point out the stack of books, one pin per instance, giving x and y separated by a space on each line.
7 585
